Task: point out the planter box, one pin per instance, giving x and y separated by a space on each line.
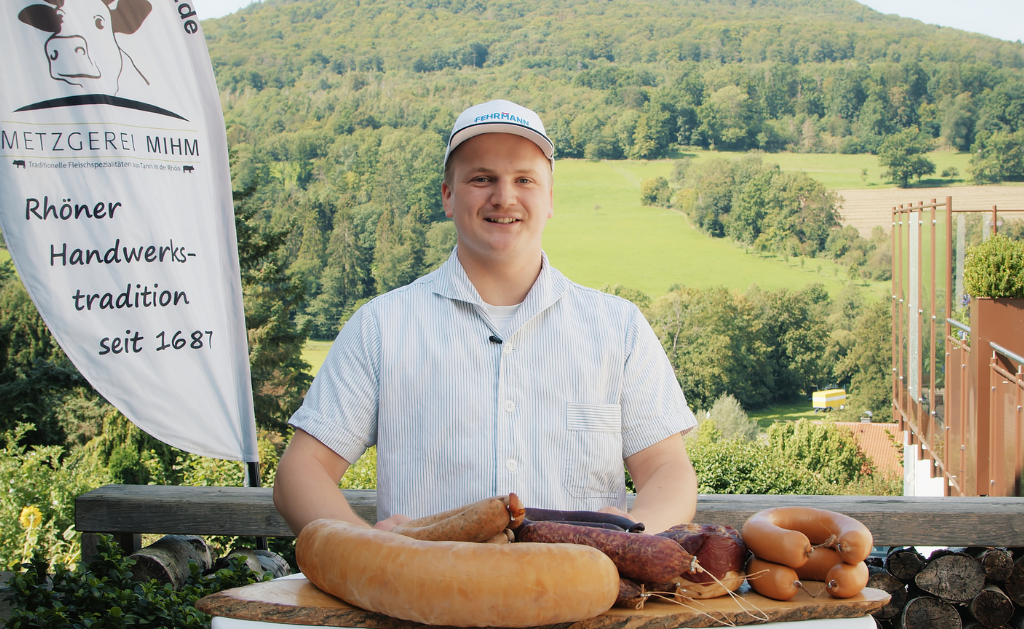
999 321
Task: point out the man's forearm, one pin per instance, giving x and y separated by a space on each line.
668 498
306 489
666 485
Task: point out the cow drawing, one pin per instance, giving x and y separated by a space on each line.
83 49
19 163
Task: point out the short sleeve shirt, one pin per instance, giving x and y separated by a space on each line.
459 411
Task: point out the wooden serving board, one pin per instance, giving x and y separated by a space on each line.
299 602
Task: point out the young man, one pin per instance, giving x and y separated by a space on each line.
494 374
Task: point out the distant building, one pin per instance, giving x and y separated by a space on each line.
876 442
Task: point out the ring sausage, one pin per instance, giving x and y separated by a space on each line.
772 580
818 564
785 534
845 580
842 580
456 583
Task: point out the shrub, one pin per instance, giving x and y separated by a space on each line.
825 448
655 192
37 505
731 419
103 595
745 467
995 269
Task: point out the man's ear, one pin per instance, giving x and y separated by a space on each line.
446 199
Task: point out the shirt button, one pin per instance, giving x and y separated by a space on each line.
507 350
510 405
511 465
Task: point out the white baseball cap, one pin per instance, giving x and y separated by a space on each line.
500 116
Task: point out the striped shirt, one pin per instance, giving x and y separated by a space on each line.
460 411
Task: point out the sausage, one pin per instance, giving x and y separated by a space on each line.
842 580
478 522
549 515
845 580
818 564
631 595
456 583
772 580
785 534
646 558
718 549
608 526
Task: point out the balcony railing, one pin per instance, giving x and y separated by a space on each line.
958 394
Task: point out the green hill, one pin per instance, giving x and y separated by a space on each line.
337 113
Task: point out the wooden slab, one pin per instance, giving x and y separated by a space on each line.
299 602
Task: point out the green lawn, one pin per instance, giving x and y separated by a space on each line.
785 412
314 353
600 234
4 255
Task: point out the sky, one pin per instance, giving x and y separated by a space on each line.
997 18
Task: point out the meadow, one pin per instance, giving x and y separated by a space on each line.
4 255
601 234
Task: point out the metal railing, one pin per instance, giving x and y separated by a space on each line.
964 410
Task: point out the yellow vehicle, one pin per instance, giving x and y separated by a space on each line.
828 400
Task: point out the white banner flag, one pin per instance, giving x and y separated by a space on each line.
115 202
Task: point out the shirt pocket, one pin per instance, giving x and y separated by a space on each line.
592 465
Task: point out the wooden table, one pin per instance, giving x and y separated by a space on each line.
297 601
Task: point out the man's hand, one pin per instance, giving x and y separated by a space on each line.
666 485
392 522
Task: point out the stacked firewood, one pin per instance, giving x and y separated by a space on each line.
167 560
954 588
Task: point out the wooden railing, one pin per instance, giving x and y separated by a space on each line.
127 511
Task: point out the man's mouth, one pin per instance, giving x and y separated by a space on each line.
502 221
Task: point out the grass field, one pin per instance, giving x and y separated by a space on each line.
602 235
784 412
314 353
4 255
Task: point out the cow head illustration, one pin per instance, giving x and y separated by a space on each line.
83 48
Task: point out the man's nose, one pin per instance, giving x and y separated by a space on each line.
504 193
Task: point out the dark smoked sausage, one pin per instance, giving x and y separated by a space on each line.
645 558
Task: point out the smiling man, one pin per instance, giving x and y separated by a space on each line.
495 373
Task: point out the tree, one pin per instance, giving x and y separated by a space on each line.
655 192
271 298
902 156
731 420
998 156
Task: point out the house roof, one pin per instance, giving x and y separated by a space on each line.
875 441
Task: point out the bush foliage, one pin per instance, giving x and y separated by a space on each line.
995 268
103 594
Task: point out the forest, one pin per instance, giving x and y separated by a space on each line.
337 114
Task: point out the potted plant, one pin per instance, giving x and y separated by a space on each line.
994 278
